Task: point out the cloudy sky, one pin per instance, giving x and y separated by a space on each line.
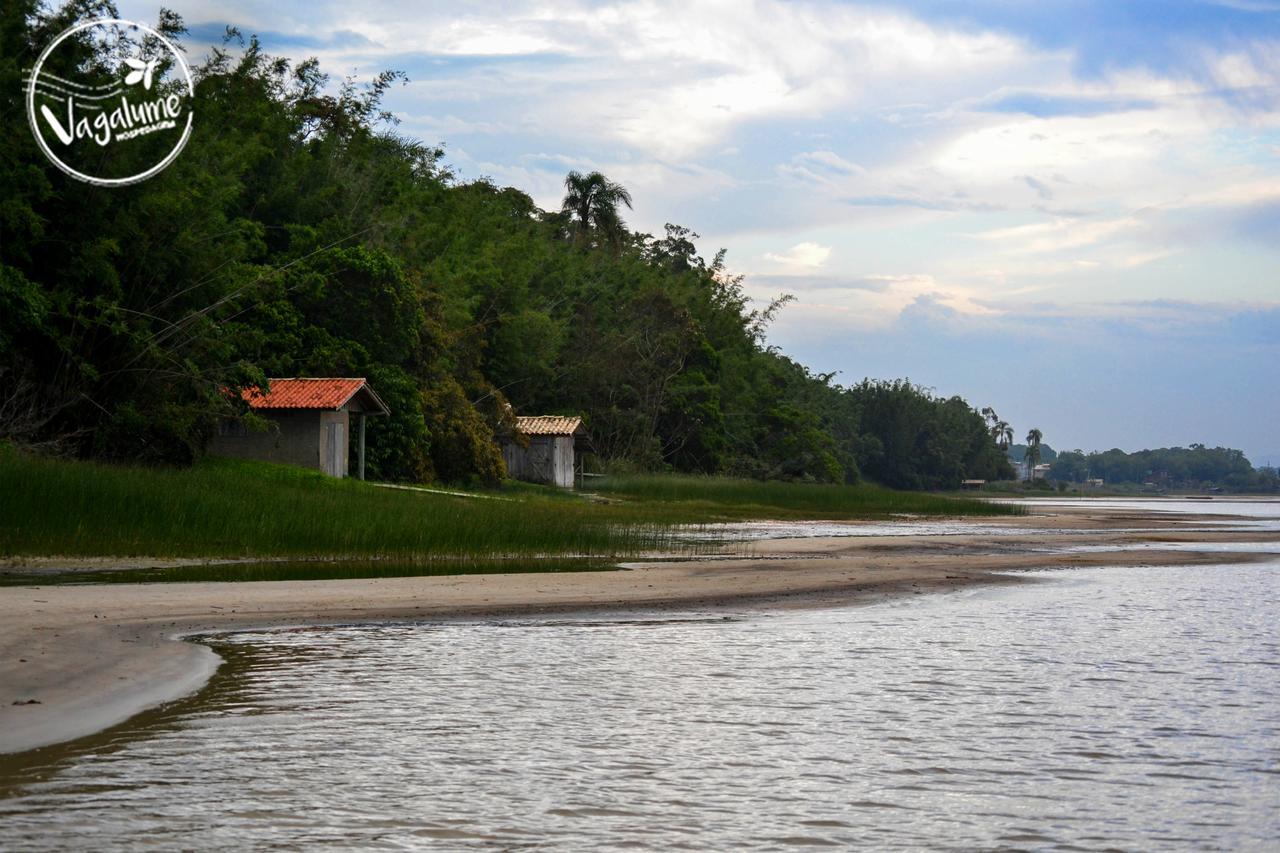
1066 209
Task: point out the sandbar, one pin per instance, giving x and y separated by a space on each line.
77 659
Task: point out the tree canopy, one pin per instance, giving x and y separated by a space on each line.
1193 467
299 234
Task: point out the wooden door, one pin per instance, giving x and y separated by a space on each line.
333 459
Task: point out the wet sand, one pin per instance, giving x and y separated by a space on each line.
77 659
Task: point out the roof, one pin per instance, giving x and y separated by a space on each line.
548 425
319 393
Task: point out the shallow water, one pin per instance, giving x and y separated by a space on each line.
1123 708
1244 506
750 531
1251 514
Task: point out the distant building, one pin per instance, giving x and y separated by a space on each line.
310 424
550 455
972 484
1025 472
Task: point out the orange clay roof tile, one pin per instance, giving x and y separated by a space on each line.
548 425
306 394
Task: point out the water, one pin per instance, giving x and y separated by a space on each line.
1122 708
1268 508
1252 514
750 531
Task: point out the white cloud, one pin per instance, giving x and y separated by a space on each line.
1057 235
801 255
885 141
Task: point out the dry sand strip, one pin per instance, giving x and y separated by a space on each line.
77 659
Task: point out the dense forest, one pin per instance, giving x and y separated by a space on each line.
1194 467
299 234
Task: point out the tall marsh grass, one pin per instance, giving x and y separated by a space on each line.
230 508
750 498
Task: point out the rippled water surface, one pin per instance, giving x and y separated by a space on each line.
1122 708
748 531
1251 514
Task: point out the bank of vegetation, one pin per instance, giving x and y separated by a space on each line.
299 234
224 508
1178 469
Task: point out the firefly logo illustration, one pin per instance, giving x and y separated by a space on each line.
106 121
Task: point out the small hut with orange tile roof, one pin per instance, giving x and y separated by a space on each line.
310 424
549 454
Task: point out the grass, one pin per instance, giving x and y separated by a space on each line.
238 509
742 499
232 508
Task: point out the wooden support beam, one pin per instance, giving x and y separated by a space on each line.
361 452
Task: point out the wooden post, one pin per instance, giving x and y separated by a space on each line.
361 454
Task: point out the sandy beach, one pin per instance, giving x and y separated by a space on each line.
78 659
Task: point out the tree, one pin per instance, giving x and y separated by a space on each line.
1004 436
592 201
300 235
1033 452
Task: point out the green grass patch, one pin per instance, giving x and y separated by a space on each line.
744 499
233 508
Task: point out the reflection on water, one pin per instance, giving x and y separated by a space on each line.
1122 708
1252 514
749 531
1192 547
1243 506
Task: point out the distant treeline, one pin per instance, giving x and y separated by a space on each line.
1018 452
299 235
1193 467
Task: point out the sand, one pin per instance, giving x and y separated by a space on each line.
75 660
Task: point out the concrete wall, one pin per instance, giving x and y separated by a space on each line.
292 440
295 438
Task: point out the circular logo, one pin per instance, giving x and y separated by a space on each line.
109 102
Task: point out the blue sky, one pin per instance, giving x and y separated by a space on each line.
1067 210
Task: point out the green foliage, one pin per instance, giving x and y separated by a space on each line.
461 441
232 508
914 440
299 235
1194 467
235 508
591 203
746 498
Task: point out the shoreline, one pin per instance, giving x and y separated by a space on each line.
93 656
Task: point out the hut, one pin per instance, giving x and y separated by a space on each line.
310 424
549 456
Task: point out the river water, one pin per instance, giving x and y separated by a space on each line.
1119 708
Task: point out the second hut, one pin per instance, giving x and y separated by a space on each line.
549 456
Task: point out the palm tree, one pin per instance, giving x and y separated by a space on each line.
1004 435
1033 452
592 202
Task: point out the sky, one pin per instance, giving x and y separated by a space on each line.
1068 210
